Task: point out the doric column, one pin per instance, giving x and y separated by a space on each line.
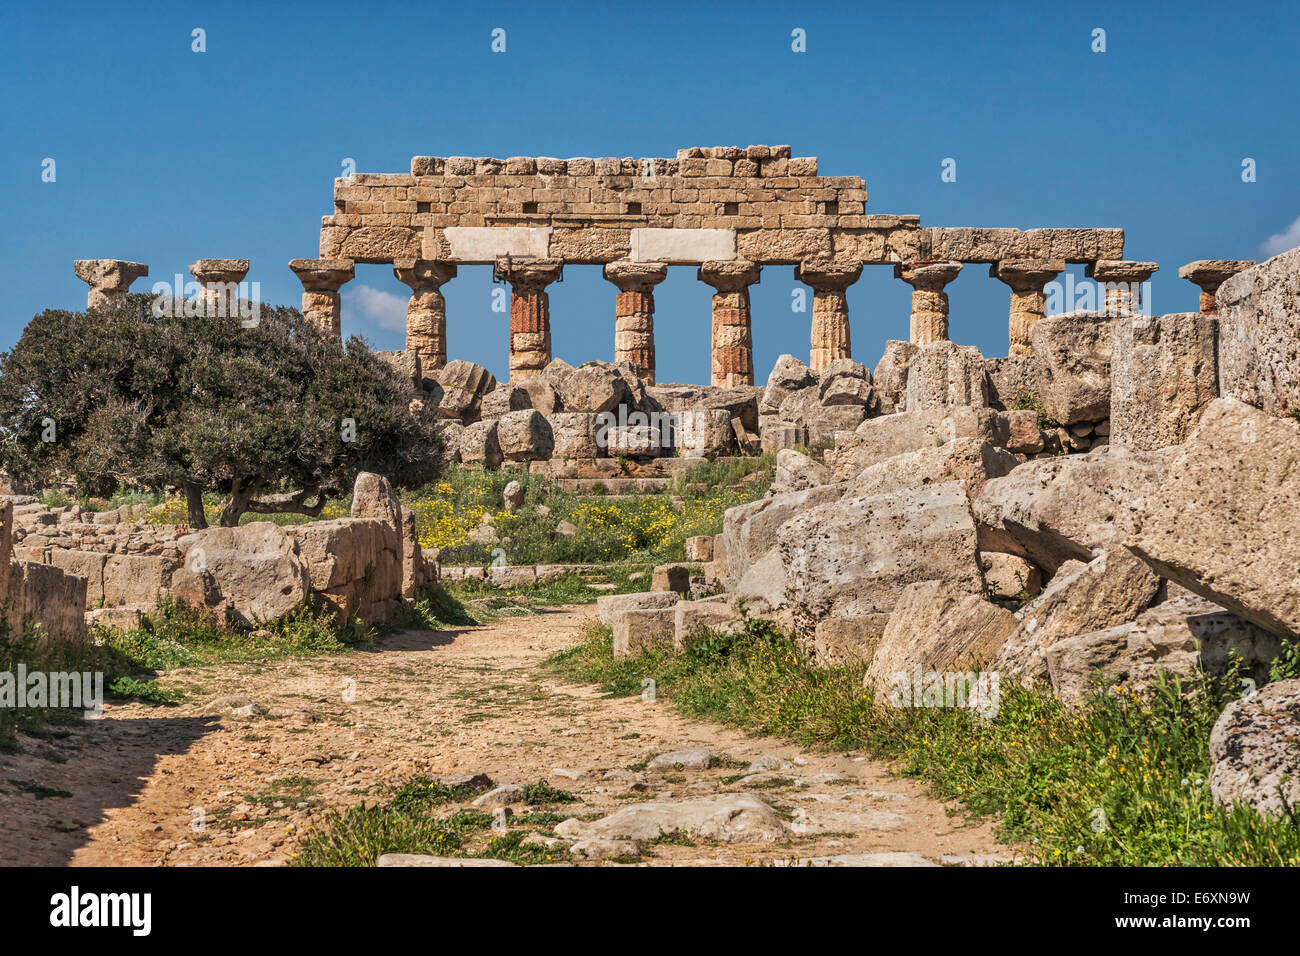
1027 277
220 280
634 313
733 346
109 279
426 313
530 312
1122 279
830 324
929 301
321 279
1209 274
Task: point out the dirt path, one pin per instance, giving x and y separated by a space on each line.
260 751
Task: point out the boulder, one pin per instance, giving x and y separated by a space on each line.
593 387
1012 378
788 376
778 434
525 436
252 574
890 376
800 407
1113 588
845 382
479 445
84 564
458 387
828 422
703 431
1226 521
633 441
41 596
1057 509
1164 374
761 589
1253 750
932 629
1024 437
1072 353
135 578
795 471
749 530
878 439
944 373
574 435
854 556
1259 325
904 520
373 497
503 399
449 434
1010 576
512 497
969 461
1179 637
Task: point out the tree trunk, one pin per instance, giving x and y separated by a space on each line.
194 505
240 496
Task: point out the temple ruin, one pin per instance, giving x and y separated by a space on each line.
727 211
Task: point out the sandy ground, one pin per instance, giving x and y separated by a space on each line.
196 784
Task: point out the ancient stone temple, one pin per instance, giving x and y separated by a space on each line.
726 211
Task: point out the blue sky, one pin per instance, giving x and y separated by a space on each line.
165 155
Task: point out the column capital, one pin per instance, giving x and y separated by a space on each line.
1209 274
930 275
323 275
422 274
528 275
109 279
827 275
1027 275
109 275
636 276
219 270
1120 270
729 275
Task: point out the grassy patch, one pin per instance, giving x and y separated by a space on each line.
1120 782
542 792
410 823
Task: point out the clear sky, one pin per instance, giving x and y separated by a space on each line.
164 155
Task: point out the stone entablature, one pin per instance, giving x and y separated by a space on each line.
708 204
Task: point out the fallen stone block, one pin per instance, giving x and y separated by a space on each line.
931 629
693 618
1058 509
1226 521
637 631
611 604
1114 588
673 577
1179 638
1164 375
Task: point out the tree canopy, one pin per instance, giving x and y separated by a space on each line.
276 416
